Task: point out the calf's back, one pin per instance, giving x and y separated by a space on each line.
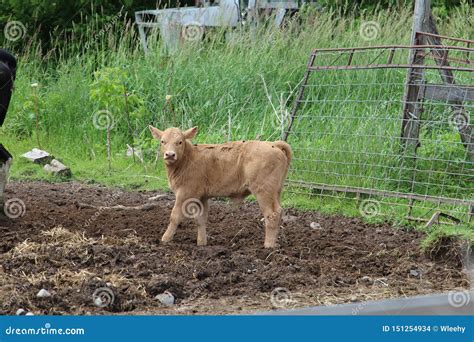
232 169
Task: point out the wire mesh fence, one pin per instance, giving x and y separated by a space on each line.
393 135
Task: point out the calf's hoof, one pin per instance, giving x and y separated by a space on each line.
270 245
166 239
202 242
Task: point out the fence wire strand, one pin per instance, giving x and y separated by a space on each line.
346 131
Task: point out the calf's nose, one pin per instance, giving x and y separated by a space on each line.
170 154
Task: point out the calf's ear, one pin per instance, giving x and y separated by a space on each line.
155 132
190 133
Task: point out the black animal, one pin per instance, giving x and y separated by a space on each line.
7 77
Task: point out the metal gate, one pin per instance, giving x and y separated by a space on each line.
393 134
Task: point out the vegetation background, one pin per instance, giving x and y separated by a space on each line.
52 19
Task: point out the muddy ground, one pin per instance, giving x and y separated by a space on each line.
72 250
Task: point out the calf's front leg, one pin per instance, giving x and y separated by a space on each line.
175 220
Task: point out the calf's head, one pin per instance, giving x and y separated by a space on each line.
173 142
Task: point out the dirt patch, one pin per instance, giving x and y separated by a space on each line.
72 251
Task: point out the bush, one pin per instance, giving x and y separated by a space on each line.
52 20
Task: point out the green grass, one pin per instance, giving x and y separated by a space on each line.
230 90
463 233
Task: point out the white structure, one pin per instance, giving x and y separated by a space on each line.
188 23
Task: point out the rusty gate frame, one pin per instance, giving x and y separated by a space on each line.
449 92
415 91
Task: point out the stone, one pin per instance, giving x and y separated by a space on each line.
57 168
166 298
289 218
43 294
366 280
37 156
98 302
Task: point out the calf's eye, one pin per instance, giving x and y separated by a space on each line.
180 142
162 141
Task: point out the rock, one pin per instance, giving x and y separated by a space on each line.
98 302
366 280
43 294
29 314
37 156
58 168
165 298
315 225
289 218
20 312
414 273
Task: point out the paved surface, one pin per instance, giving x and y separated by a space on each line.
452 303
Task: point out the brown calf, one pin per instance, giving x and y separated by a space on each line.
235 170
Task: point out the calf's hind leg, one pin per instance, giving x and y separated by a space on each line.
270 206
202 222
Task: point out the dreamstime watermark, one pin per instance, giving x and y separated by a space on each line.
14 208
458 299
369 208
14 30
103 119
103 297
202 286
106 28
192 208
359 308
369 30
281 297
46 330
459 120
192 31
101 209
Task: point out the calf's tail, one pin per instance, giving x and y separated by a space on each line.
285 148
